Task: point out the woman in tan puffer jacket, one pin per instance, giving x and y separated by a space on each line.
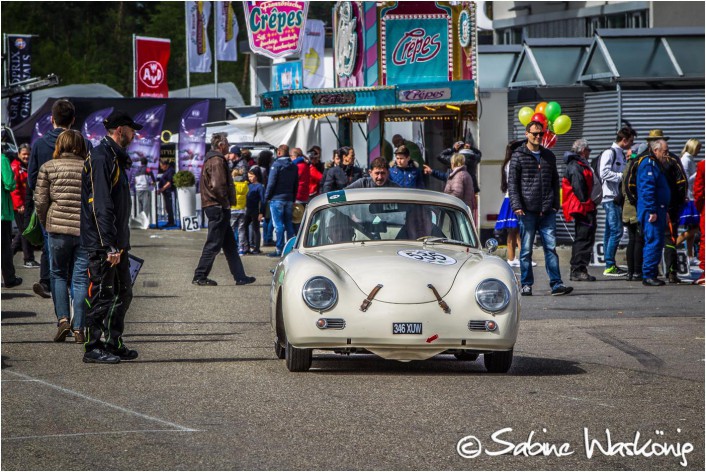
57 200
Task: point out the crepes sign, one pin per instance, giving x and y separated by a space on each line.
275 29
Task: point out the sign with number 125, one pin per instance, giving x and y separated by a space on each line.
190 223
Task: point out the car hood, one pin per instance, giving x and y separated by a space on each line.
404 270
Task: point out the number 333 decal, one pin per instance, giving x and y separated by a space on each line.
429 257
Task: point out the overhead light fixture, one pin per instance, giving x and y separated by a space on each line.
451 107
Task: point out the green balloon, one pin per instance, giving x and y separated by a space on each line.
562 124
525 115
552 111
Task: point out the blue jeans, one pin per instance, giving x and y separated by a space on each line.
530 223
281 212
68 257
654 242
268 229
613 231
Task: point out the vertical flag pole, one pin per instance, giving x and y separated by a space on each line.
186 22
134 67
215 46
6 61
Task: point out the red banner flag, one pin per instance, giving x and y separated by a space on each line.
151 58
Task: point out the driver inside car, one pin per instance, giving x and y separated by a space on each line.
339 229
418 224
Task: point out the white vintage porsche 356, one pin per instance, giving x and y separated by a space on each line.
394 272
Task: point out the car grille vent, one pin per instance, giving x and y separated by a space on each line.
334 323
474 325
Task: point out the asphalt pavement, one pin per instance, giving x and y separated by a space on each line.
207 392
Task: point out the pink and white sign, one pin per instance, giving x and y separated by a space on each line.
275 28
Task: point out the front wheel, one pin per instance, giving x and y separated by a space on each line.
498 362
298 360
280 350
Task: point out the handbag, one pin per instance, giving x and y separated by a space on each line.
33 231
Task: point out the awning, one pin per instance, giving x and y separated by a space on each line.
425 99
657 55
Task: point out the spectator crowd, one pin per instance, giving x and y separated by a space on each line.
79 199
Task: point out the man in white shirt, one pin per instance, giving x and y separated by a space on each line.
610 171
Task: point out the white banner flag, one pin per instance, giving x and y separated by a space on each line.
199 50
312 54
226 32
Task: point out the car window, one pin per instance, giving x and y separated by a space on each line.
386 221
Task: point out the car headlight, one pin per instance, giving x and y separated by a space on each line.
319 293
492 295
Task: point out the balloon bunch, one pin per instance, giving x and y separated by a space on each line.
553 122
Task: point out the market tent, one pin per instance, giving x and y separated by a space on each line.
226 90
39 97
302 133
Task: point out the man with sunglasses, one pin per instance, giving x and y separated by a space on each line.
533 188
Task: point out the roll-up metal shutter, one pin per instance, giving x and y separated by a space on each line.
678 113
574 108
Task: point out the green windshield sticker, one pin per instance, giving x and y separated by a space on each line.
336 197
313 228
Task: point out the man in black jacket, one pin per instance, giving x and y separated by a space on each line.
105 233
533 187
63 114
281 192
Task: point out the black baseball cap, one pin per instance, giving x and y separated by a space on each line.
120 118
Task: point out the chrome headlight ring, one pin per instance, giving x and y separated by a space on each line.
319 293
492 295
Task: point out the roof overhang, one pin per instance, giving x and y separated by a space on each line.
426 98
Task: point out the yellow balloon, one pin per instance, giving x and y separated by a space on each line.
525 115
562 124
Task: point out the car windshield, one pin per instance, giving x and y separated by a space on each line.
387 221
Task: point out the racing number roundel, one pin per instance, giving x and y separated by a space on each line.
429 257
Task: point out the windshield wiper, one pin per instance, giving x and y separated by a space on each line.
439 240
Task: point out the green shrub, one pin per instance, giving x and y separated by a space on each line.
184 178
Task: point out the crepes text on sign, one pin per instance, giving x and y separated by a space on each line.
333 99
416 46
423 95
276 29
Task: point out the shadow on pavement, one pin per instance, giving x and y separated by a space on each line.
206 360
10 295
7 315
361 364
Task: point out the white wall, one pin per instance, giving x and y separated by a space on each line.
492 140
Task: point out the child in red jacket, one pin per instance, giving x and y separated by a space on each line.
19 169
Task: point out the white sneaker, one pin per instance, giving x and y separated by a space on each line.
516 263
694 262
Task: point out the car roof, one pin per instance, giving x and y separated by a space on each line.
399 194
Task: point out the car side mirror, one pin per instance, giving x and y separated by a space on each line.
491 245
289 246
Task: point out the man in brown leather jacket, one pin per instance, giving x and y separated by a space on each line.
217 196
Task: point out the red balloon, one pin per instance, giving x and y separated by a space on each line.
540 118
549 140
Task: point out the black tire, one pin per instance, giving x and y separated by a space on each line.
298 360
466 356
498 362
280 350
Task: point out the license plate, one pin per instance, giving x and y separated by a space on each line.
406 328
